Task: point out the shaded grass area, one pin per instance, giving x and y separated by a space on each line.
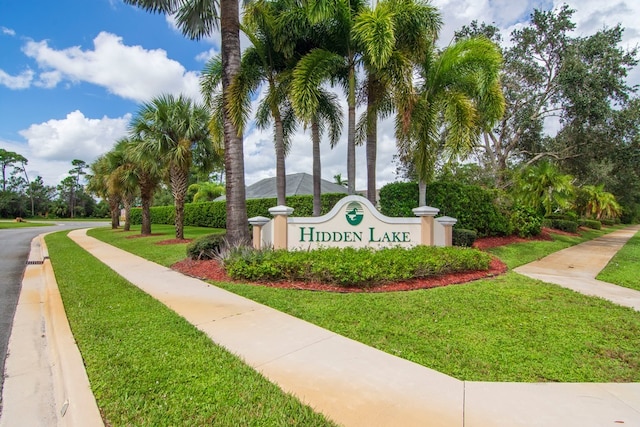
624 267
12 224
148 247
510 328
150 367
518 254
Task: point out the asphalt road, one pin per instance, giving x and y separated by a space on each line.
15 244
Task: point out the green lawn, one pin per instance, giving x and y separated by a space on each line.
5 224
624 267
147 247
149 367
510 328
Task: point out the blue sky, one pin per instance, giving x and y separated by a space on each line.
72 72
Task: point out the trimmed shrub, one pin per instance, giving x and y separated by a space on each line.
214 214
561 224
350 267
472 206
398 198
525 222
591 223
607 222
464 238
206 247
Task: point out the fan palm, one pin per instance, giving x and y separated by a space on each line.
147 171
122 179
98 183
197 19
457 97
173 129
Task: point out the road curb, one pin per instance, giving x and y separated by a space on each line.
46 383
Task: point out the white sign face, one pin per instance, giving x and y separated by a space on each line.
353 222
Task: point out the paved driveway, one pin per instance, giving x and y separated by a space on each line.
14 250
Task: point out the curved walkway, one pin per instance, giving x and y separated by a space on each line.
356 385
576 268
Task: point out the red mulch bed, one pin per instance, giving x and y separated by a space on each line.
212 270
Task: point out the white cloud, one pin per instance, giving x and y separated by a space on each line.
7 31
591 16
21 81
74 137
131 72
49 79
207 55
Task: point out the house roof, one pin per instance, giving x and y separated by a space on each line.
297 184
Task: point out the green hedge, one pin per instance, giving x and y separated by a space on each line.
561 224
350 267
525 222
472 206
214 214
464 238
591 223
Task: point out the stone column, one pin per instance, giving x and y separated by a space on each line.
447 222
280 226
258 222
426 214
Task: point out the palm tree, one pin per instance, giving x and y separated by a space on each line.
197 19
262 63
335 60
121 180
393 36
206 191
458 96
173 129
327 115
598 203
99 183
544 188
149 172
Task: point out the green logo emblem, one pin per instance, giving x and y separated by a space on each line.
355 213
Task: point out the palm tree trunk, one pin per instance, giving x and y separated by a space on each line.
317 171
114 203
422 193
281 177
371 148
146 194
179 183
128 201
351 136
237 221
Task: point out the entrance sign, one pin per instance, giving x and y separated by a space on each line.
353 222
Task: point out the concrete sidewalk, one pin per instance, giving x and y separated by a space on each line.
576 268
356 385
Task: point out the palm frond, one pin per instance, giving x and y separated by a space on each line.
374 32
